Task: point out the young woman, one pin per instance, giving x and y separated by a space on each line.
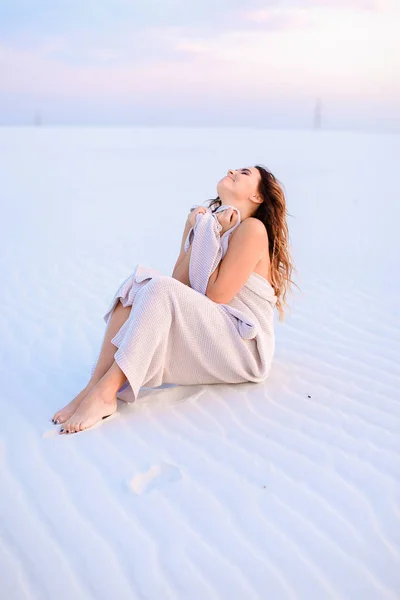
235 252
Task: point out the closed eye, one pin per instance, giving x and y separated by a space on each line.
246 171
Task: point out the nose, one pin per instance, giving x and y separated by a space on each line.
231 172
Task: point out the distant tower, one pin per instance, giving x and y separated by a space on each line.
317 114
38 119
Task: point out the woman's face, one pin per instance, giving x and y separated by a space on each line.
238 185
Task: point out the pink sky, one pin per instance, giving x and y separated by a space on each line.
256 61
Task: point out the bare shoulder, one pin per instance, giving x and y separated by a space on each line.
254 224
245 251
251 227
251 234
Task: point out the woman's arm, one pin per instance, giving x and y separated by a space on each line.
213 277
181 271
182 253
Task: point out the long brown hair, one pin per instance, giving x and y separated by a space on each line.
272 212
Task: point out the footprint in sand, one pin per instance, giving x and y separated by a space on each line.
157 475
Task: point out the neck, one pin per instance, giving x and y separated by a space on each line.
245 211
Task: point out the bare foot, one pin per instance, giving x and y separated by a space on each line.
65 413
98 404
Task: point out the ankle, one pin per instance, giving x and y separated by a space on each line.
92 382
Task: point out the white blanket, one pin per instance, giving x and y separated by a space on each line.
176 334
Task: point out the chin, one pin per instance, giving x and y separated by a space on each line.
221 186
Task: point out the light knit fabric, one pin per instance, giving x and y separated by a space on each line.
206 234
175 334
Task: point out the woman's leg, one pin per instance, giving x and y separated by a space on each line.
106 358
99 403
105 361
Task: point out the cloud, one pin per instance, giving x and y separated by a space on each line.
21 18
121 32
181 55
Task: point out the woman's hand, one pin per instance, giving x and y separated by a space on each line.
227 218
192 215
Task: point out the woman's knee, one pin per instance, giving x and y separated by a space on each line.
162 284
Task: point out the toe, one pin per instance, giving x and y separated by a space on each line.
66 426
58 419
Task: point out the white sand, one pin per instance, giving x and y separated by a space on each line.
284 490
